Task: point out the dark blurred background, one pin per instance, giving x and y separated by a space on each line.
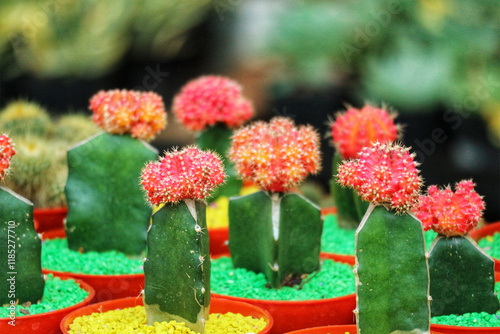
435 62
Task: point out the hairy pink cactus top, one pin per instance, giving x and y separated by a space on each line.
357 128
6 153
209 100
276 156
451 213
384 174
187 174
125 111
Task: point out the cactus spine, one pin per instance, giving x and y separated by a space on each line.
105 201
392 278
278 234
462 275
177 266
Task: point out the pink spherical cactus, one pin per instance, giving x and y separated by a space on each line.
187 174
357 128
209 100
6 153
124 111
384 174
451 213
276 156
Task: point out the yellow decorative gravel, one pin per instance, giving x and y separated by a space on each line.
133 320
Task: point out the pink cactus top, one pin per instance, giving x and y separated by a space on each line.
125 111
187 174
6 153
384 174
357 128
451 213
276 156
209 100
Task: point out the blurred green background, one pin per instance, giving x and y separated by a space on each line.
436 62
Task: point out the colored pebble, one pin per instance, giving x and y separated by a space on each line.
57 256
333 280
491 245
57 294
133 320
482 319
341 241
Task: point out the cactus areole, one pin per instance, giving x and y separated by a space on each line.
177 267
392 274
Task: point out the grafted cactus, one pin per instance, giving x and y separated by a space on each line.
462 275
21 278
275 231
351 131
392 276
177 267
214 106
105 201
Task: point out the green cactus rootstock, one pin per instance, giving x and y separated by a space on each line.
350 207
106 207
462 277
21 278
218 138
177 267
278 235
392 277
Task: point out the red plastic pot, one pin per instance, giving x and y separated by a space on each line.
47 219
217 305
342 329
218 240
484 231
295 315
47 323
106 287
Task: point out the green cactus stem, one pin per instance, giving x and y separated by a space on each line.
218 138
462 277
350 207
278 234
177 267
106 208
392 277
21 278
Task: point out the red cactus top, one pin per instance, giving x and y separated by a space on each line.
187 174
6 153
276 156
384 174
451 213
125 111
357 128
209 100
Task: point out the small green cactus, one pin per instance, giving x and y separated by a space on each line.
462 275
275 231
392 274
177 267
21 118
73 128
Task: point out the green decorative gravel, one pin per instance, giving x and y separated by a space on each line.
57 256
57 294
333 280
341 241
491 245
482 319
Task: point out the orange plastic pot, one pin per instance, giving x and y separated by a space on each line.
294 315
217 305
342 329
106 287
484 231
47 323
47 219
